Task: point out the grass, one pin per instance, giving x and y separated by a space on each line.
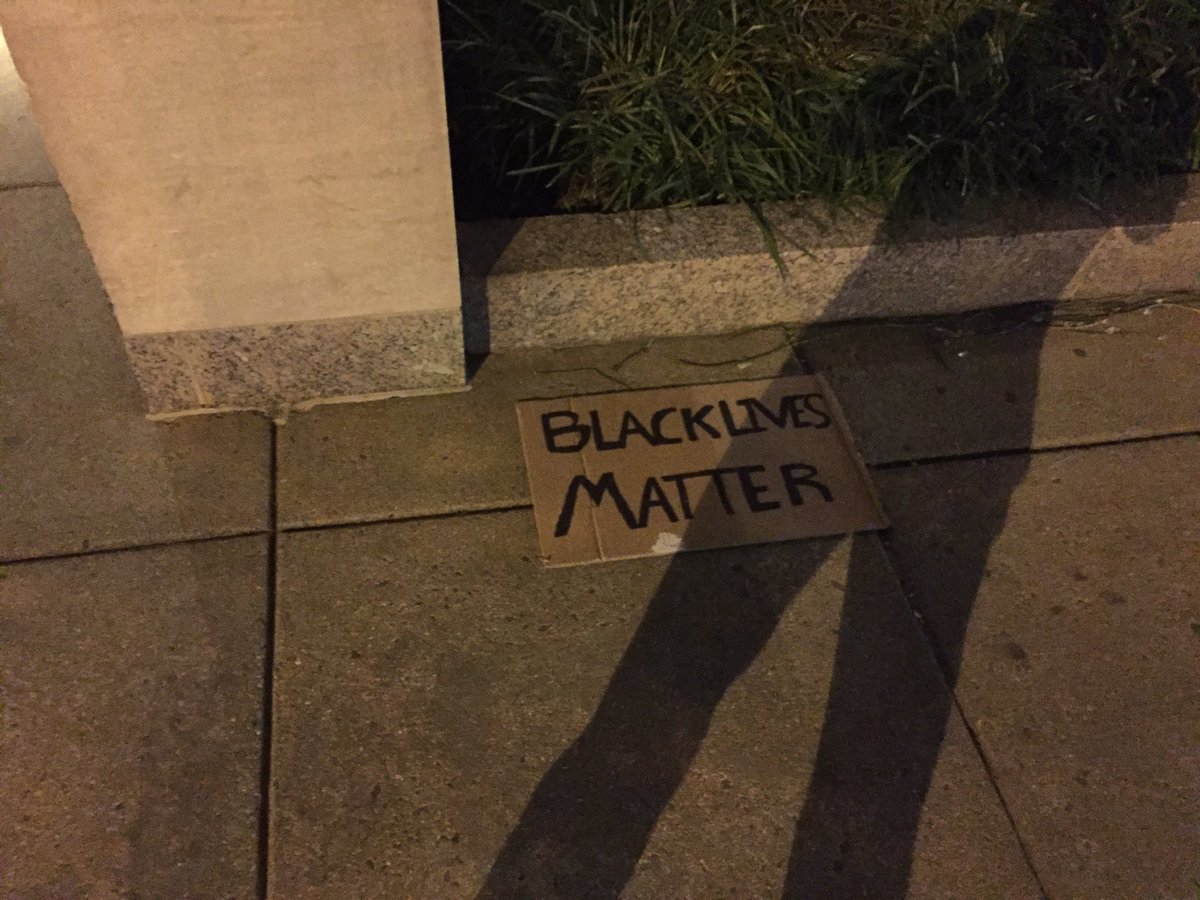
916 104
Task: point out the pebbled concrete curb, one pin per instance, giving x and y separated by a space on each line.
575 279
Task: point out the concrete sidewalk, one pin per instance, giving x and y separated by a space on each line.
322 659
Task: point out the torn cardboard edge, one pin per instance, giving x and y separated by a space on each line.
692 467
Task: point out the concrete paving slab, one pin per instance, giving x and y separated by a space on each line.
454 720
83 468
131 689
910 391
1078 669
926 389
451 452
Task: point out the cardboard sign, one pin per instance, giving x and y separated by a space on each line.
641 473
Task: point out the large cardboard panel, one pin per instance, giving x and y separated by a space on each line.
639 473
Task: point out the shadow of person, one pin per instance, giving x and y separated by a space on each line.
588 821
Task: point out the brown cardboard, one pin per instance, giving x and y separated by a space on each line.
692 467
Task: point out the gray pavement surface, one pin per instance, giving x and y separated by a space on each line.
445 678
83 469
994 698
131 724
1079 666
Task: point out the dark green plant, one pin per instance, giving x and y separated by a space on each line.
626 104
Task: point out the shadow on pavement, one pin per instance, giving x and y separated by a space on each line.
590 817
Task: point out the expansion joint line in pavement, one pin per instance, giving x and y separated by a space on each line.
1008 813
27 185
131 548
509 505
273 530
268 667
945 668
1030 451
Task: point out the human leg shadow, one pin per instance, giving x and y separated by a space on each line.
584 828
882 734
590 817
856 832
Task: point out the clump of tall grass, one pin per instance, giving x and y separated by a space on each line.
917 104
